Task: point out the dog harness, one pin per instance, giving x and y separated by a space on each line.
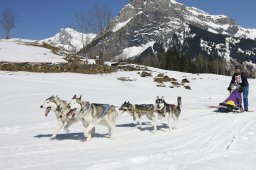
173 106
63 114
106 108
167 108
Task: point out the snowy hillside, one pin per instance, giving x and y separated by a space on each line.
14 50
70 40
205 140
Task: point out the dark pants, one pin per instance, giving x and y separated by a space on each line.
245 95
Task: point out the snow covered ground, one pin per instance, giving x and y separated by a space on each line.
14 50
205 140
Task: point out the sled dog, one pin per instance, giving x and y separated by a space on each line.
91 114
168 110
138 110
59 106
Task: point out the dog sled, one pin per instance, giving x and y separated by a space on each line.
233 103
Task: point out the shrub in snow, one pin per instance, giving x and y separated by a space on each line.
145 74
185 81
160 78
188 87
125 79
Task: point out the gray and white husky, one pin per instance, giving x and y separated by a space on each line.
91 114
138 110
168 110
61 110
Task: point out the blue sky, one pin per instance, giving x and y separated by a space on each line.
38 19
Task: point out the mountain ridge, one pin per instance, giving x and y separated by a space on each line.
171 24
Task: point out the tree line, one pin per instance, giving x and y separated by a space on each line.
173 60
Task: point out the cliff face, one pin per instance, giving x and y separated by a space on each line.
143 27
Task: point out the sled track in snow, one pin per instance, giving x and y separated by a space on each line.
193 135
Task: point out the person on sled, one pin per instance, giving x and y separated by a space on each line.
240 78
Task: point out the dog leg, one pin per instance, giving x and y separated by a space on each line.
160 117
176 122
112 133
154 124
109 131
59 126
69 124
175 119
87 132
169 123
153 120
138 121
113 130
134 118
92 132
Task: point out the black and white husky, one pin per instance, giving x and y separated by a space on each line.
168 110
61 110
91 114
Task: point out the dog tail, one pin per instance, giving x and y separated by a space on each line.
179 102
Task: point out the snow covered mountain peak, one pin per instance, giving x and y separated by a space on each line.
70 40
145 27
218 24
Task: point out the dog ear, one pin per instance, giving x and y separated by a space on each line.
80 97
162 98
157 97
74 97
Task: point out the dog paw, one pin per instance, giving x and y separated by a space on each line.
112 137
52 137
88 138
83 140
138 126
153 131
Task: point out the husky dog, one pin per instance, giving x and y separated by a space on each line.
137 111
168 110
91 114
58 106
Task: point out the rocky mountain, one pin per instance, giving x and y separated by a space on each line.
69 40
145 27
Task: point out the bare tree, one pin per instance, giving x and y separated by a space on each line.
83 25
101 16
8 19
95 21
